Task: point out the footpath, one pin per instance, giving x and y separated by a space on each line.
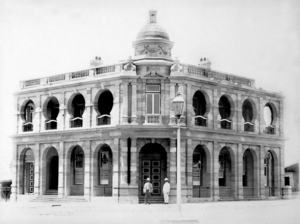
244 212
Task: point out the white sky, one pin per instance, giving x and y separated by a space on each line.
258 39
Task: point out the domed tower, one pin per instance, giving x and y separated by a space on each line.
152 46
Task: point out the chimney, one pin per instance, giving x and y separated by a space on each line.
205 63
152 14
96 62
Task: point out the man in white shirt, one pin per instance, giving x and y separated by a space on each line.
166 190
148 190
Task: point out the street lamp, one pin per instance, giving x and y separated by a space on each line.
178 105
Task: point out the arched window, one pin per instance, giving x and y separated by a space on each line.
77 159
225 112
51 110
77 109
269 116
248 116
28 116
199 105
224 167
103 106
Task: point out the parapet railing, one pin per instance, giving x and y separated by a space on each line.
97 71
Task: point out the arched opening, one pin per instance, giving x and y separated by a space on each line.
77 171
200 108
104 102
270 118
27 164
269 173
153 165
247 110
104 170
50 171
226 176
76 109
225 112
27 116
200 173
51 110
248 174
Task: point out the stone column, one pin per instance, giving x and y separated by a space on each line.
216 165
61 171
116 163
125 104
87 169
239 178
260 115
166 101
280 117
61 114
134 105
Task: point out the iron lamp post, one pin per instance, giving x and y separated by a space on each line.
178 105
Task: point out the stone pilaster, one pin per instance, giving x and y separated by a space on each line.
133 163
173 168
125 103
116 163
134 105
239 116
189 171
38 163
61 172
88 109
216 165
189 106
87 169
261 175
239 177
61 114
260 115
37 115
123 162
215 109
15 164
167 100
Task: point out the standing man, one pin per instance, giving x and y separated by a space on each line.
148 190
166 190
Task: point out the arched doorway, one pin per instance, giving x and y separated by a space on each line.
269 173
27 164
51 171
200 174
153 165
248 174
77 171
103 170
226 174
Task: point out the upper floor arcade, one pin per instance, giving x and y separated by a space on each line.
141 94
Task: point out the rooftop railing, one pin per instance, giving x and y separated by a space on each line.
98 71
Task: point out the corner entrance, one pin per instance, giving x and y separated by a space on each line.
153 165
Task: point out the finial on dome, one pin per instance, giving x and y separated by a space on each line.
152 14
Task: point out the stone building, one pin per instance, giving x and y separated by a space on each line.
102 131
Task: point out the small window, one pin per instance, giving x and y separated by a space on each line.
287 181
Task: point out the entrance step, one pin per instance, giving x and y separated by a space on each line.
55 199
51 192
154 200
251 198
227 199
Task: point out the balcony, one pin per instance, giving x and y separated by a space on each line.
270 130
153 119
200 121
103 119
76 122
248 127
27 127
225 124
51 125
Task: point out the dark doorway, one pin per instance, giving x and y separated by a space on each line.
153 165
53 173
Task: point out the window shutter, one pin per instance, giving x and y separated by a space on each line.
156 104
149 103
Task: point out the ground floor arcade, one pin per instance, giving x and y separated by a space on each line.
118 168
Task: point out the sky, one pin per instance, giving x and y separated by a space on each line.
259 39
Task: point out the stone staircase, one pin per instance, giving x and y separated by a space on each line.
154 200
55 199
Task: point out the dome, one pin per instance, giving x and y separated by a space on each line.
152 29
